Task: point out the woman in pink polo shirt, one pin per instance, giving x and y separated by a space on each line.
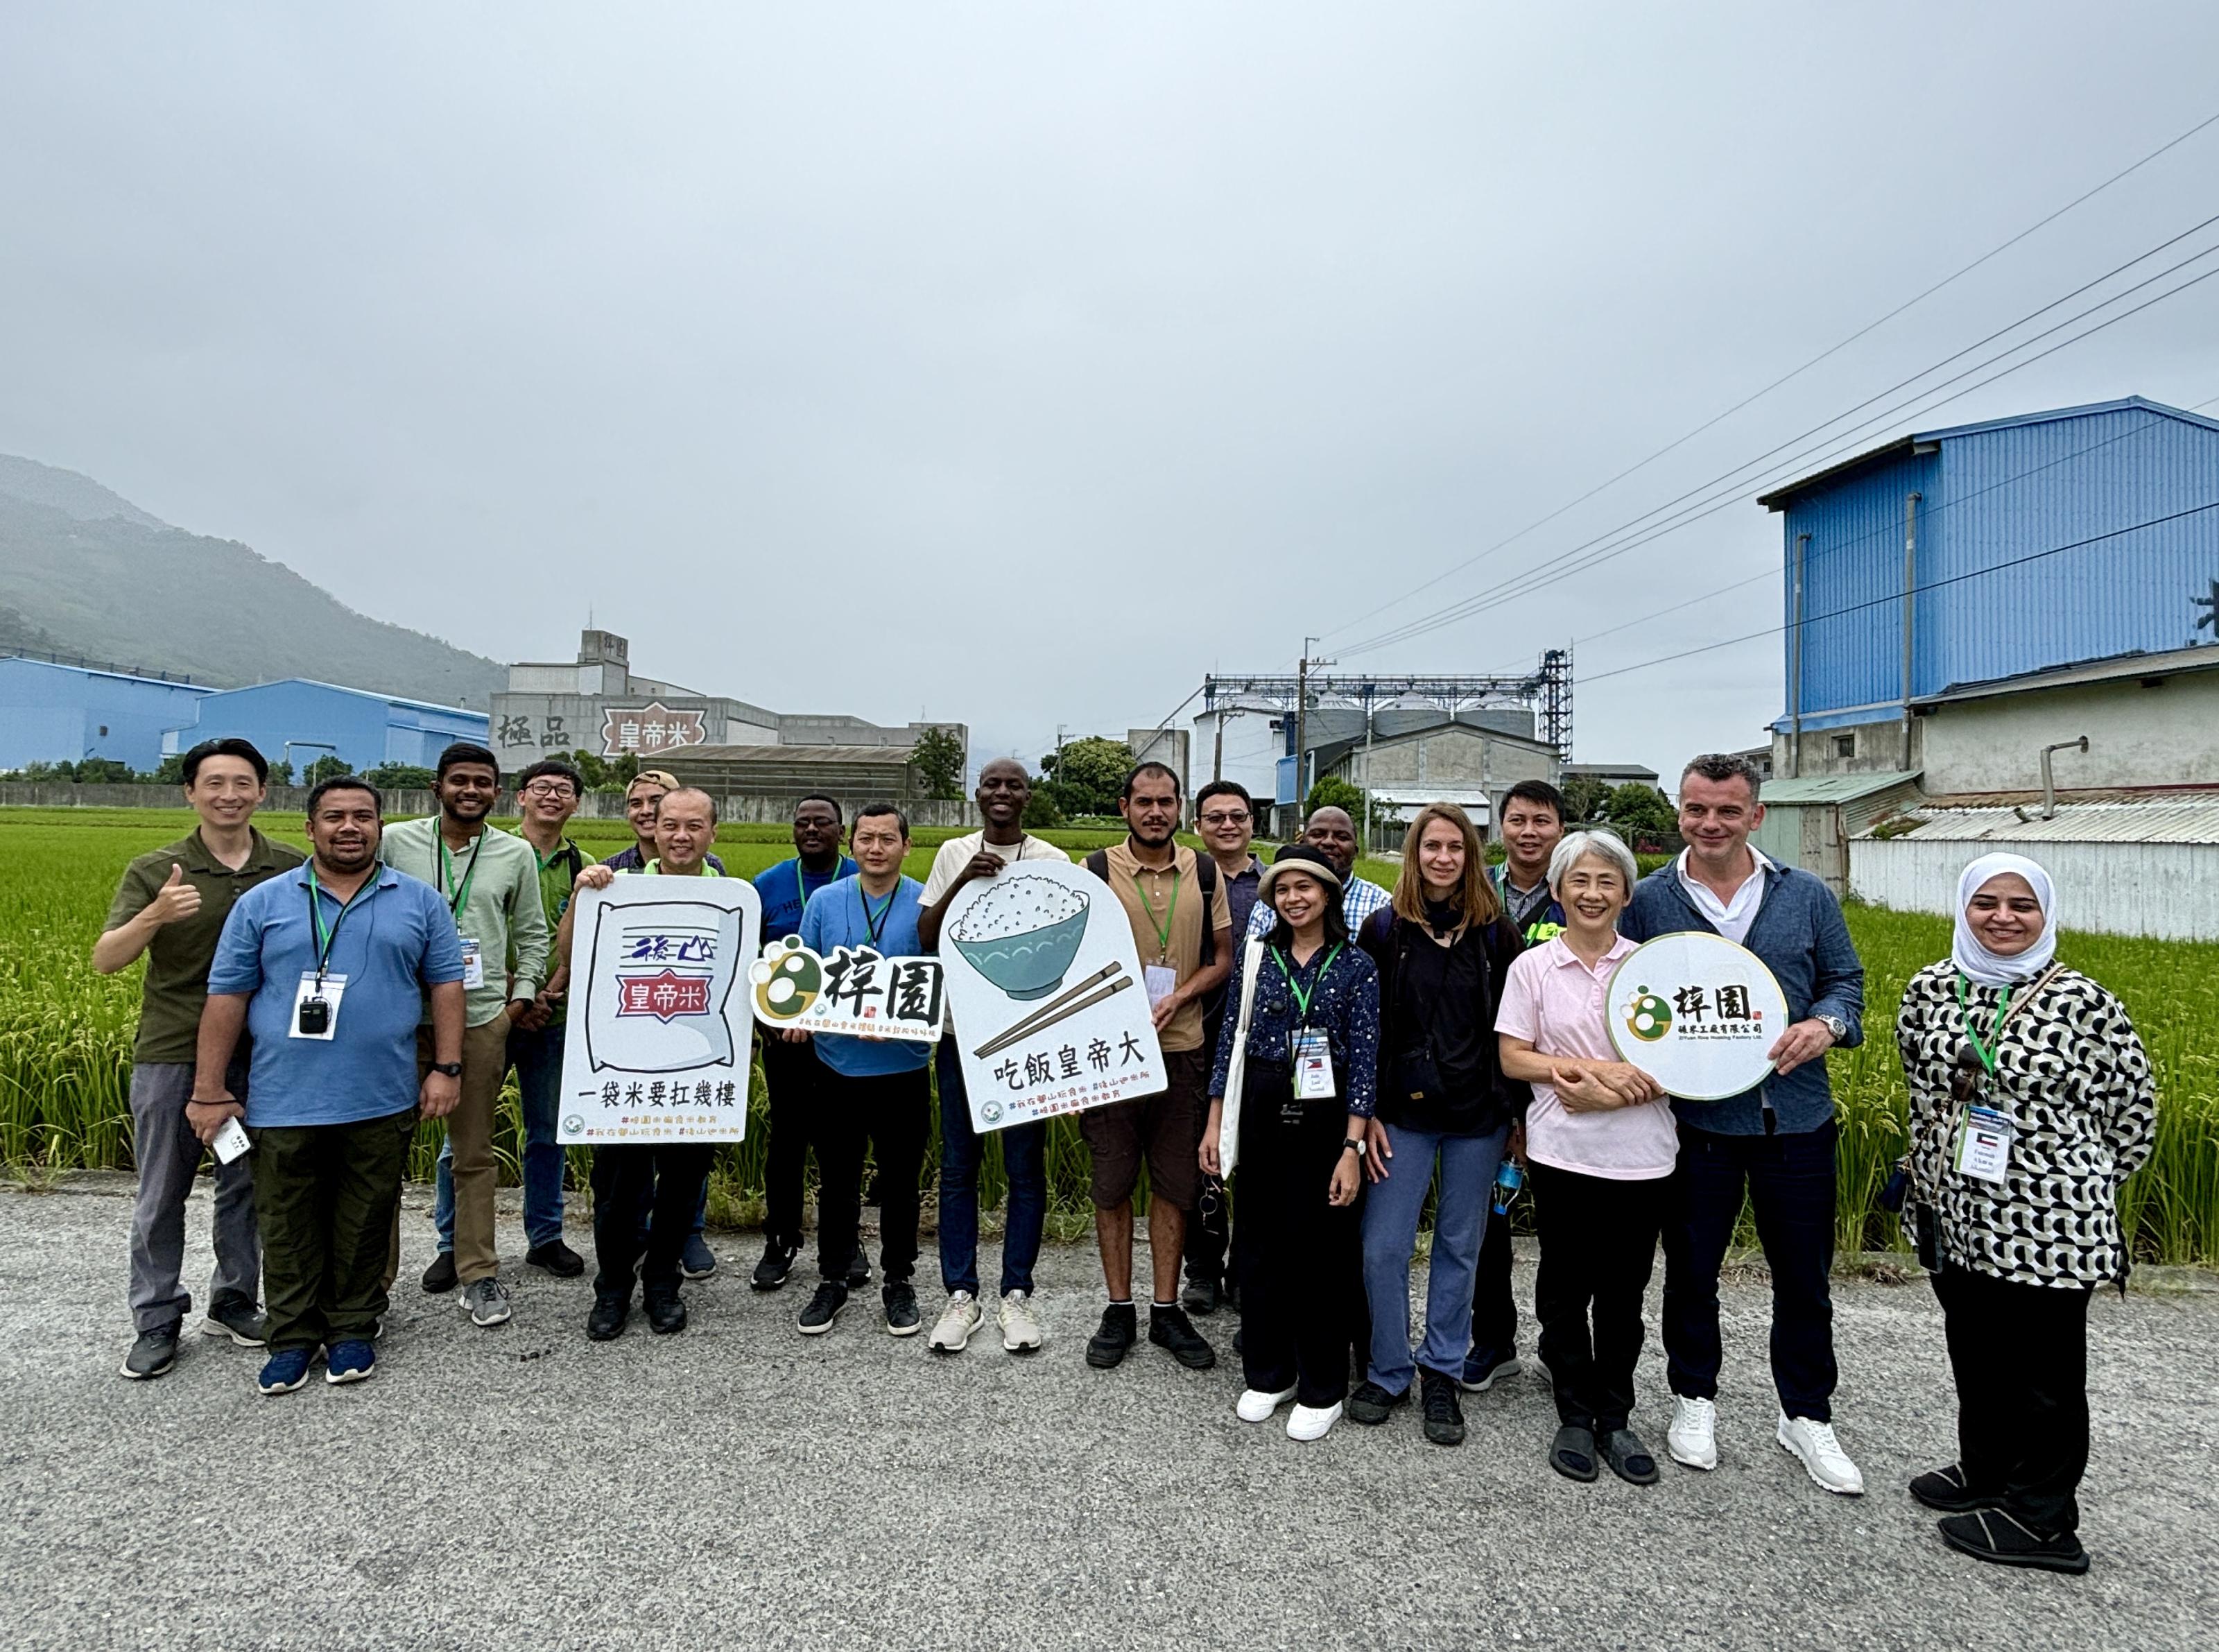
1600 1142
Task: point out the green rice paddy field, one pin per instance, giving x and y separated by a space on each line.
65 1034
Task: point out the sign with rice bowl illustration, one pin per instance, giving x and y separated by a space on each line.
1044 987
661 1038
1697 1014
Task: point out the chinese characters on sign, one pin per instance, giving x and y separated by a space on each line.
661 1040
643 730
1698 1014
513 730
858 992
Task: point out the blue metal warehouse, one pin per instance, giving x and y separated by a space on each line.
53 713
315 719
2054 549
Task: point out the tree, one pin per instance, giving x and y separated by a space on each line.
938 759
172 771
328 768
1641 813
1087 776
104 771
400 776
1585 798
281 772
1331 792
1040 811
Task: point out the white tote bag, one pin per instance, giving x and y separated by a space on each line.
1228 1134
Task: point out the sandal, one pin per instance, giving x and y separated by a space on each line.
1573 1454
1628 1458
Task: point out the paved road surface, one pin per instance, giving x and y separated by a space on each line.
740 1486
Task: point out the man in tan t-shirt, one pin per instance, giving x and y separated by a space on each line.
1170 900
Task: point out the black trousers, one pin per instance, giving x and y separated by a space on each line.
791 1073
1208 1233
1302 1259
1598 1247
890 1113
2019 1354
1790 1183
1494 1315
664 1178
326 1195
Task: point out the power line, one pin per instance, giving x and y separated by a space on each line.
1784 378
1562 566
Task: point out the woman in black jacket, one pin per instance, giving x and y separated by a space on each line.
1442 948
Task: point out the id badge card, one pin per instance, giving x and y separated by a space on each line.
473 964
333 989
1160 980
230 1141
1313 1060
1984 1143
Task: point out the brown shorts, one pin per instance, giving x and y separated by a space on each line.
1166 1126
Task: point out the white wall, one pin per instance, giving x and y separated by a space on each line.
2167 891
2166 734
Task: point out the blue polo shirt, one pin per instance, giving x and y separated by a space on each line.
396 939
833 917
786 888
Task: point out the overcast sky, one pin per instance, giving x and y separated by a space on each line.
1021 363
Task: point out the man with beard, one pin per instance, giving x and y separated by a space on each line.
490 882
328 968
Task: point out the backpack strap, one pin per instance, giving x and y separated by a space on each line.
1098 864
1205 873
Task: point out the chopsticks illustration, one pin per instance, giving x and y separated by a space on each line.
1067 1004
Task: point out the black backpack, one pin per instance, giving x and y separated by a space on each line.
1205 871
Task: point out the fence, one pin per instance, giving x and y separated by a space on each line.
742 809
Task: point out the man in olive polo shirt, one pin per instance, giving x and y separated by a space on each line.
171 906
490 882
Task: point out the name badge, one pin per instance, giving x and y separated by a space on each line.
1160 980
1312 1059
473 964
316 1008
1984 1143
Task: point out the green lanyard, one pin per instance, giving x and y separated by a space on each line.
1302 998
1988 1051
874 930
328 938
1163 929
460 897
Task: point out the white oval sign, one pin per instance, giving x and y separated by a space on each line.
1697 1014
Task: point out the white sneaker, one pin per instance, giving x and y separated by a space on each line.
1822 1455
1692 1440
1254 1405
962 1315
1021 1327
1308 1423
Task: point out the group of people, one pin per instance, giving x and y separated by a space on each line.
1335 1053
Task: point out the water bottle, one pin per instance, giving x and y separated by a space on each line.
1507 1181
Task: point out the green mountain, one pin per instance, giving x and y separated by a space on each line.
85 572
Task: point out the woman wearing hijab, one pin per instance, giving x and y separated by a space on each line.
1310 1002
2030 1102
1442 948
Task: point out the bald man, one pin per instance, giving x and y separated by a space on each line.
1331 831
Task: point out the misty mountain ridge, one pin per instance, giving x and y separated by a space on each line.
86 572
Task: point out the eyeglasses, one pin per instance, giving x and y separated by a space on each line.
549 789
1215 817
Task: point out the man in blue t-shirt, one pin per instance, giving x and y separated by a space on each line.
790 1071
327 968
869 1089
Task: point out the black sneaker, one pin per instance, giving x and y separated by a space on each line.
153 1353
823 1308
665 1312
556 1258
247 1326
1482 1366
1169 1328
776 1264
1372 1405
1444 1416
1108 1346
440 1277
902 1317
1203 1296
1993 1535
607 1322
698 1261
859 1271
1945 1489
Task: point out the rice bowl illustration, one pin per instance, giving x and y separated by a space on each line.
1022 934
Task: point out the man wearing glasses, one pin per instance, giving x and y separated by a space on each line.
1226 817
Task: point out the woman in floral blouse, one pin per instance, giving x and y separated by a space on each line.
1310 1065
2030 1102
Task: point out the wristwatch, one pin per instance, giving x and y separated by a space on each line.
1354 1144
1836 1026
452 1069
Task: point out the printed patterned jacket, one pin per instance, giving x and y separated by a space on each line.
2071 1072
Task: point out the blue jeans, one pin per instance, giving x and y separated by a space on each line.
1391 1209
537 1059
1024 1158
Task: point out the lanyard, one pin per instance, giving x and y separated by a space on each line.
874 930
1988 1051
328 938
1302 998
460 897
1163 929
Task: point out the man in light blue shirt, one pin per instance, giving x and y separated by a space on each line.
871 1091
328 968
1331 831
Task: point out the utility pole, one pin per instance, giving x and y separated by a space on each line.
1217 750
1302 718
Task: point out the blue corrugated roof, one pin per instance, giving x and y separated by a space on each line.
358 694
